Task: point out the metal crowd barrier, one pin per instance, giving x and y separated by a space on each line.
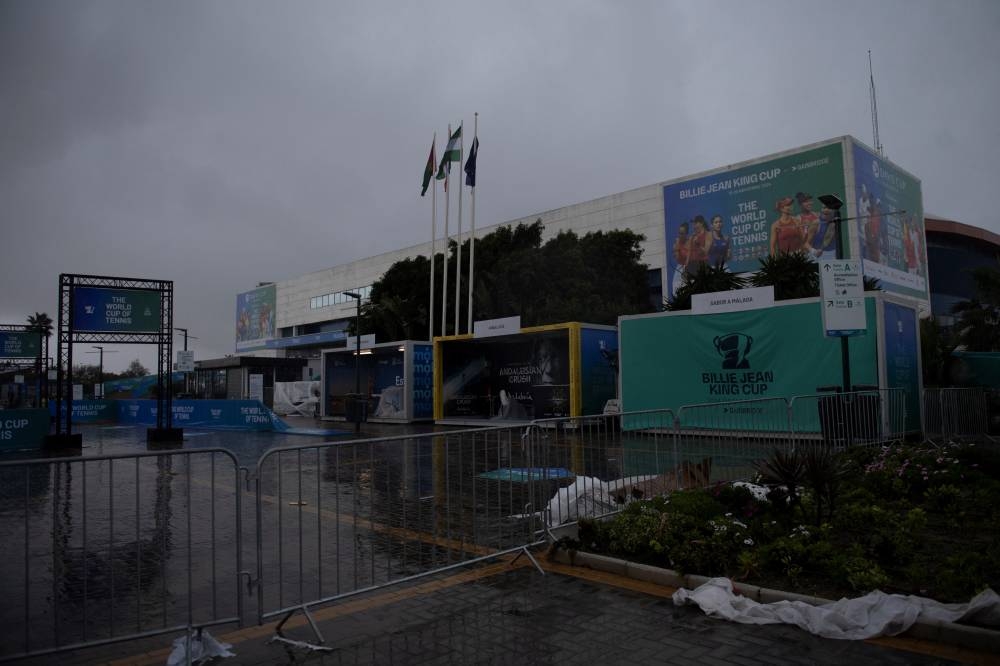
104 549
110 548
843 420
339 519
958 412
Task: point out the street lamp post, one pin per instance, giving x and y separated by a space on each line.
834 203
100 366
357 360
187 375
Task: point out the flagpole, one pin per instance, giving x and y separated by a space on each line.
458 263
430 311
447 239
472 233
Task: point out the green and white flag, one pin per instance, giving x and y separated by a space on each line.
452 153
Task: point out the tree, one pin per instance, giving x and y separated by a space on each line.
936 345
705 280
42 323
978 325
593 278
135 369
792 274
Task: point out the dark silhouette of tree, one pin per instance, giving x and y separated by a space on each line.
592 278
706 280
42 323
135 369
792 274
978 325
936 345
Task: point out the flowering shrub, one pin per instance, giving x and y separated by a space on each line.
911 519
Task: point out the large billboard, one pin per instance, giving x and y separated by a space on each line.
889 218
116 310
669 361
255 318
512 377
737 216
20 344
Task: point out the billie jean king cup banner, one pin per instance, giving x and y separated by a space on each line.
736 217
20 344
255 317
892 243
776 353
119 310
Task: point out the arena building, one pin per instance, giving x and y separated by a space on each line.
735 215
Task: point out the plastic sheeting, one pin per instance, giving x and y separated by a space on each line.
204 647
875 614
296 398
589 497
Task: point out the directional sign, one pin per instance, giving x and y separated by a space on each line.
185 360
842 292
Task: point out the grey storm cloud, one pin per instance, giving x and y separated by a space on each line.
220 144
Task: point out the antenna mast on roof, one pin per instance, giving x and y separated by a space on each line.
874 105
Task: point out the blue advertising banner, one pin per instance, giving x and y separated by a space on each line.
20 344
118 310
213 414
423 382
901 358
889 216
598 368
736 217
89 411
255 317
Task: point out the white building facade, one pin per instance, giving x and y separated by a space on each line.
311 312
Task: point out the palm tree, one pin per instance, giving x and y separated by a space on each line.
42 323
792 274
707 279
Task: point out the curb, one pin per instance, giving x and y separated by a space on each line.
960 635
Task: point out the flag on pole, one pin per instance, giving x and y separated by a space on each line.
428 170
470 164
452 153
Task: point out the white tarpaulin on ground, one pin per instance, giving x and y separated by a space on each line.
296 398
589 497
875 614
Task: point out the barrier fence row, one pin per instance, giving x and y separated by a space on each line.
111 548
956 413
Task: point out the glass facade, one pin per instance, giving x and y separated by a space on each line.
951 258
338 298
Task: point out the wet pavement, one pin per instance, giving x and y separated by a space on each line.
495 612
510 614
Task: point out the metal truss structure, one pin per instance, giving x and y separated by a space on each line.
67 336
38 363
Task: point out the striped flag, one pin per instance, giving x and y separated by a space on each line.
451 154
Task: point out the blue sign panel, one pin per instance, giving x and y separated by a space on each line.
216 414
423 382
116 310
901 369
88 411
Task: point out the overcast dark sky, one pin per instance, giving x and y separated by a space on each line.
220 144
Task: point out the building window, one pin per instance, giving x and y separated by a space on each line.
338 298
